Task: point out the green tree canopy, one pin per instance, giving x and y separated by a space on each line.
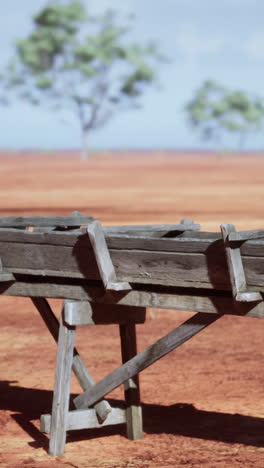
215 110
82 63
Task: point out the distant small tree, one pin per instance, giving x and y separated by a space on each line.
215 110
83 63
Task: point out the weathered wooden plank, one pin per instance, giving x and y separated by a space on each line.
144 359
246 235
131 386
61 395
85 419
131 266
84 378
45 221
4 276
151 297
160 229
187 242
103 259
169 268
87 313
236 269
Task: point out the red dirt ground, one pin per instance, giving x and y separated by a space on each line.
204 403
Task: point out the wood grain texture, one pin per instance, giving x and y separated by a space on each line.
236 268
44 221
78 313
84 378
134 420
61 395
171 299
103 259
85 419
246 235
144 359
172 262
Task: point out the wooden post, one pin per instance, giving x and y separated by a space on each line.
61 395
131 386
236 269
86 381
103 259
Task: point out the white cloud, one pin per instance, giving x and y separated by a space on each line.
254 45
194 43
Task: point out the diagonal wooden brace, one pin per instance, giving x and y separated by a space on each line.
144 359
104 262
102 408
235 266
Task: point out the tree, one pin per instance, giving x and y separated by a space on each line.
214 110
72 60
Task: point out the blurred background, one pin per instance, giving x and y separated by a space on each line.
146 115
218 41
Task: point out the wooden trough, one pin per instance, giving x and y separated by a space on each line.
110 275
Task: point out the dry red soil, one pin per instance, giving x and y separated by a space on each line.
203 404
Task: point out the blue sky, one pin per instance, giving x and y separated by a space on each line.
221 40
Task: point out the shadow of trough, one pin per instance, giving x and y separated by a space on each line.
178 419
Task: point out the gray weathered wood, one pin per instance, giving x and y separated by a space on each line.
131 386
171 299
160 229
5 276
45 221
246 235
85 419
236 269
102 408
84 378
144 359
172 264
186 242
87 313
103 259
61 395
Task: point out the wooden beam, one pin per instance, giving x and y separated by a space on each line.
84 378
246 235
85 419
78 313
5 276
172 262
161 299
103 259
43 221
153 229
144 359
61 394
131 386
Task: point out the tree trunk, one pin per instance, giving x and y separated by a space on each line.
242 140
84 147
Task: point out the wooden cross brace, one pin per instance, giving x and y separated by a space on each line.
144 359
79 313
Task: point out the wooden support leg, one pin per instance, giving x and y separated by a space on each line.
61 396
86 381
131 386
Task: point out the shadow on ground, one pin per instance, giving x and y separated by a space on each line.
28 404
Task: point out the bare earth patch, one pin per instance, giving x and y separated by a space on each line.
203 404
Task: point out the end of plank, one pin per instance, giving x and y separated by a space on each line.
248 296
